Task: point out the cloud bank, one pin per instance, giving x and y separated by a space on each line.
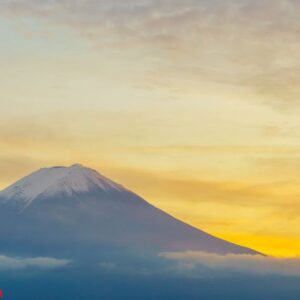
201 264
17 263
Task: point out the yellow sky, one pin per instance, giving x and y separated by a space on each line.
194 106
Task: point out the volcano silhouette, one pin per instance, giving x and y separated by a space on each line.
67 211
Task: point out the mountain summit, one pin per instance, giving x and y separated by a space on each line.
68 210
48 182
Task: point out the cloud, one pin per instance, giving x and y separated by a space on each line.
200 190
200 263
251 43
222 149
18 263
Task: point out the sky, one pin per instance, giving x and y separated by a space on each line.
194 105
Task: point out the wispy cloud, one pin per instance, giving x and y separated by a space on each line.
203 190
220 149
252 44
201 264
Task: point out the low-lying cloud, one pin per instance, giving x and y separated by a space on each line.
18 263
202 264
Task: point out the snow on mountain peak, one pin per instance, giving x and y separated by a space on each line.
55 180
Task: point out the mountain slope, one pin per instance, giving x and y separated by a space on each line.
70 210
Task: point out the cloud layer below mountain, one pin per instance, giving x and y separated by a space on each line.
18 263
201 264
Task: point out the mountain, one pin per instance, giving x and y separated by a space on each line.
75 211
51 182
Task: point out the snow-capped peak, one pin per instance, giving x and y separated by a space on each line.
51 181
